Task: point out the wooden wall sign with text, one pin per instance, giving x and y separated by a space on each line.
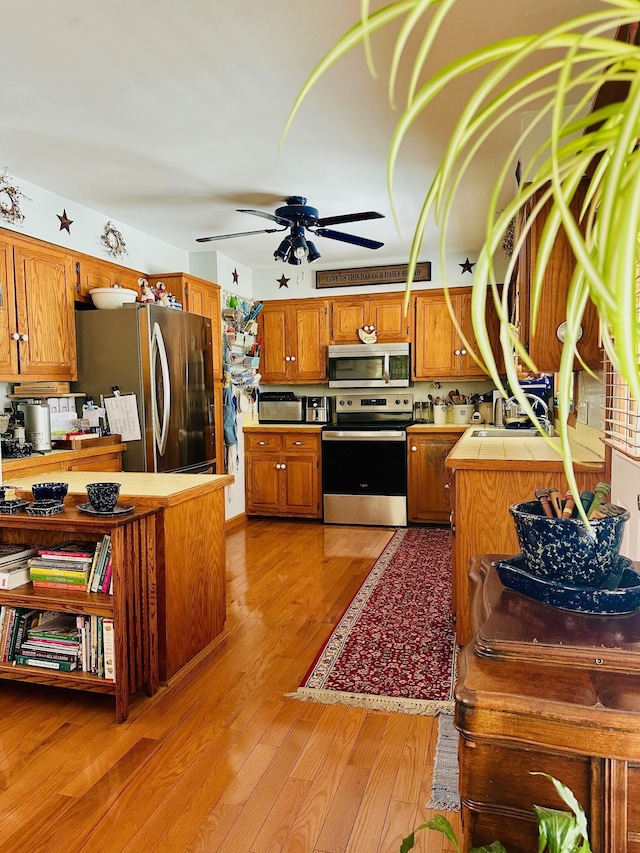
394 274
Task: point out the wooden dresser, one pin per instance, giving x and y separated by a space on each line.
543 689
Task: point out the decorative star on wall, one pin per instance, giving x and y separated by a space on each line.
283 282
235 276
65 222
467 266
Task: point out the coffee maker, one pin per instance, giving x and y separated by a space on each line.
318 410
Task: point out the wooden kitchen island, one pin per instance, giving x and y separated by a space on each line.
547 690
190 550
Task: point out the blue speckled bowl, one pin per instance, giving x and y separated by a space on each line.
565 549
624 599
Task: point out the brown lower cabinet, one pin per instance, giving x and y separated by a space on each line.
428 479
543 690
282 473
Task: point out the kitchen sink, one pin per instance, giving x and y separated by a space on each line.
504 433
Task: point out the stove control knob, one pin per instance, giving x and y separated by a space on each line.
405 401
341 403
397 402
349 402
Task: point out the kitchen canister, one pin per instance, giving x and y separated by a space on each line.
462 414
439 413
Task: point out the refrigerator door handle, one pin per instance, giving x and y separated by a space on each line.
159 352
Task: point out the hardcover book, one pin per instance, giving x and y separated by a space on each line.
15 577
62 666
12 551
69 550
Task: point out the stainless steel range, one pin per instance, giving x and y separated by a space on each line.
364 460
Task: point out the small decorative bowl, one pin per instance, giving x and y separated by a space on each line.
49 491
46 507
565 549
103 496
624 599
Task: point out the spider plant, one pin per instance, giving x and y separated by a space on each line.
580 56
558 831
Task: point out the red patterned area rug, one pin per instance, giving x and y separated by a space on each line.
394 649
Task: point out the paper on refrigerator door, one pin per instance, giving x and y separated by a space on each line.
122 412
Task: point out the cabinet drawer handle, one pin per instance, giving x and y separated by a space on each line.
298 442
263 442
413 448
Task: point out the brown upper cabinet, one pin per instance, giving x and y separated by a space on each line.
544 344
295 335
439 352
95 272
385 312
37 289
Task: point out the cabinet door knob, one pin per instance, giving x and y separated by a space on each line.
283 466
456 352
463 352
277 466
293 358
287 358
413 448
15 336
24 337
447 486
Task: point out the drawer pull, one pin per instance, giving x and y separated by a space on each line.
263 442
298 442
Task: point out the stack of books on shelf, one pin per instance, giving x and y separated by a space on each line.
54 640
63 566
14 568
50 639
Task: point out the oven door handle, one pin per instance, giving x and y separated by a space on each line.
387 368
364 435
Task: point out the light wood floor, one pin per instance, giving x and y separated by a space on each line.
223 761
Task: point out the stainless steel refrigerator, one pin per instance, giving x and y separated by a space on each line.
164 357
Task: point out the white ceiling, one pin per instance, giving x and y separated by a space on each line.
167 116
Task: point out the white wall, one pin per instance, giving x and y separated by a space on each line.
302 279
144 252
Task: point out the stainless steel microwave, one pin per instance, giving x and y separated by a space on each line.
369 366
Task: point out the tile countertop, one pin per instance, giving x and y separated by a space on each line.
150 489
525 453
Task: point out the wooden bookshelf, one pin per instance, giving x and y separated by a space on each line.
133 605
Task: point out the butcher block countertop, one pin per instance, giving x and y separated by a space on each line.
150 489
521 453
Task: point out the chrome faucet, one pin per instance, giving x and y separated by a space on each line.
544 420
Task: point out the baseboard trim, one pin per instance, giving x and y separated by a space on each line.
236 521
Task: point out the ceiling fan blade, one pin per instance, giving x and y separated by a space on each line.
264 215
349 217
348 238
239 234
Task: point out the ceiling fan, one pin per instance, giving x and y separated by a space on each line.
297 216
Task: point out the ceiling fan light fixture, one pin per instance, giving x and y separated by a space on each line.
312 253
283 251
299 247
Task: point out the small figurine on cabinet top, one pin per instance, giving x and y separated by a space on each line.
146 293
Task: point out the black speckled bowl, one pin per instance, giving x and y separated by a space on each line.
49 491
103 496
565 549
624 599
